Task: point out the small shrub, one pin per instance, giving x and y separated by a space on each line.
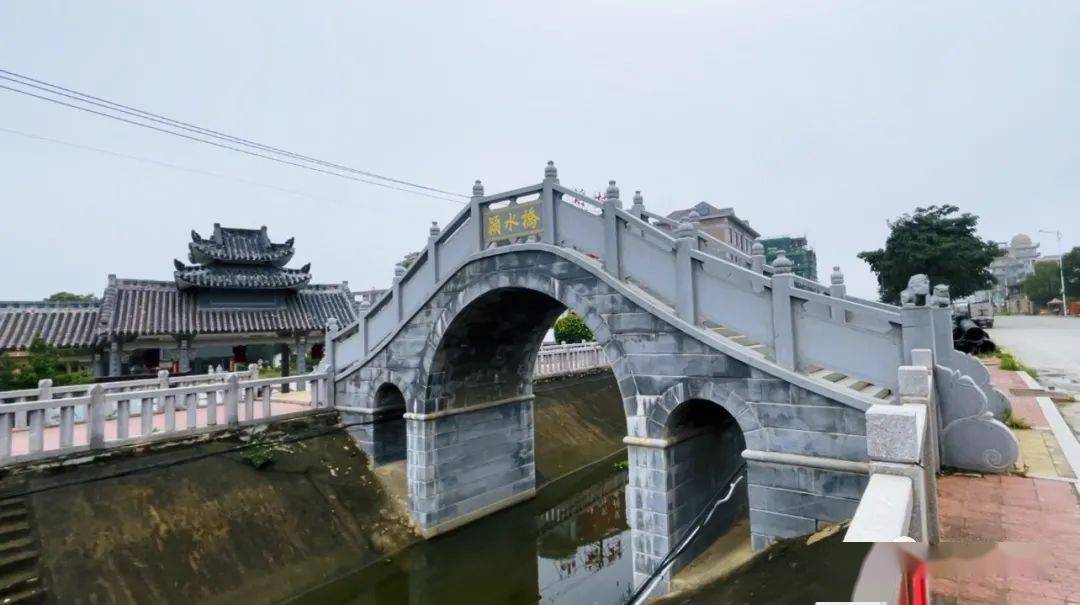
1014 422
259 454
570 328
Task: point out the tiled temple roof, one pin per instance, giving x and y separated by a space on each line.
233 245
64 325
144 307
245 277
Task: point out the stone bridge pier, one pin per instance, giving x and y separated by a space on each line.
460 370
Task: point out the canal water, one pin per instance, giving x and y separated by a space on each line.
570 544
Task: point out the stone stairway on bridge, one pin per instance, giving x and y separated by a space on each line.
825 375
20 578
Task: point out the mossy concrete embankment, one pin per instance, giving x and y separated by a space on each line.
208 522
199 523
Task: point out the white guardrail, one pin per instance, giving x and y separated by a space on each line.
103 418
899 503
556 359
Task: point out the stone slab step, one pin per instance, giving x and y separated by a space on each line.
16 544
12 514
8 530
32 594
22 586
18 558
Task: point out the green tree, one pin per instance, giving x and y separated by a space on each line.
937 241
571 328
1044 284
41 361
1071 266
69 297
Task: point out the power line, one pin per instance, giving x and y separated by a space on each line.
285 190
147 115
232 147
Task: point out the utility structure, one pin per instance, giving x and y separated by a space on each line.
1061 271
720 359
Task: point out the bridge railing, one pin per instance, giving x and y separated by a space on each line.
900 500
102 419
556 359
696 275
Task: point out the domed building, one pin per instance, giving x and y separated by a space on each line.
1011 269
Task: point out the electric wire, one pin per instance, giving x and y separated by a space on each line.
161 119
229 147
699 521
162 164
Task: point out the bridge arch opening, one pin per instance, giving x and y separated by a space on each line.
389 397
704 455
485 419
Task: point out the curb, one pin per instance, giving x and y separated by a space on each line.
1067 441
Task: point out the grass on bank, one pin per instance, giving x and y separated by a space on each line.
1010 363
1014 422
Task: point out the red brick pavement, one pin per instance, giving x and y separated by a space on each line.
1008 539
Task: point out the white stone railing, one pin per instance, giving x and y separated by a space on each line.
900 501
46 390
101 419
556 359
687 272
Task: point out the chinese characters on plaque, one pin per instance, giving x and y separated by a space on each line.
519 220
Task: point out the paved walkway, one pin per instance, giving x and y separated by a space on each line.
1014 538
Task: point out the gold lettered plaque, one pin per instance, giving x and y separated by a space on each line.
519 220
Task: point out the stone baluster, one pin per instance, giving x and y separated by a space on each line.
686 241
432 251
96 417
35 419
837 289
547 208
916 318
638 207
361 326
232 400
783 283
475 213
757 257
612 260
330 357
399 272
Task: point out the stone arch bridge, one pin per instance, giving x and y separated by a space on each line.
719 359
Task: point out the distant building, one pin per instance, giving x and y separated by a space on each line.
721 223
1010 270
797 249
237 303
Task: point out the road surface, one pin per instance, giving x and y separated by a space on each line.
1046 343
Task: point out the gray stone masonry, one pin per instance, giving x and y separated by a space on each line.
462 463
474 344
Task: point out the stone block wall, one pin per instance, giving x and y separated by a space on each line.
463 465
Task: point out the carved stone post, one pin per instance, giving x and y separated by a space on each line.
432 253
837 289
547 209
96 417
612 253
916 319
783 283
638 207
330 361
757 257
686 241
361 326
475 214
399 272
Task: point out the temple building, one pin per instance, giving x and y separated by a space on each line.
235 303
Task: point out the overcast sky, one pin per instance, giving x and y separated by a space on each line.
823 119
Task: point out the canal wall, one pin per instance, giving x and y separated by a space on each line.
212 530
177 523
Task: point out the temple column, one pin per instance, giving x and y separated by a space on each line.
95 364
114 358
185 355
285 366
301 360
